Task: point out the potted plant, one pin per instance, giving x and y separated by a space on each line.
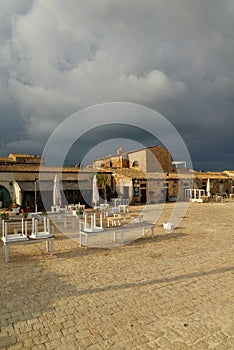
25 214
5 216
79 213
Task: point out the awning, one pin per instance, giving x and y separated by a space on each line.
67 185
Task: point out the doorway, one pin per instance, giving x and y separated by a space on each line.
5 197
143 196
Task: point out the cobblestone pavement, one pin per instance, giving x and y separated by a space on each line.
175 291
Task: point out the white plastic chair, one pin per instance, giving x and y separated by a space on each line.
18 227
38 232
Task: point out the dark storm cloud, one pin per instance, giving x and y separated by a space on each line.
112 133
176 57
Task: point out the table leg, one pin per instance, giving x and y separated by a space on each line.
93 221
5 252
122 236
80 239
52 246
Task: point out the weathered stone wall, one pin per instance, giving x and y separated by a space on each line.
138 158
158 159
155 158
155 193
222 185
112 162
26 158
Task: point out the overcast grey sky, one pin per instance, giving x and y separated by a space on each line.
176 57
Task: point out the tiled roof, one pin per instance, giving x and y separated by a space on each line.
140 174
34 168
211 175
23 155
229 173
29 186
180 173
6 160
145 148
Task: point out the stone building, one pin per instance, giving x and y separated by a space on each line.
151 159
221 183
151 187
148 176
120 160
137 176
155 187
145 175
155 158
25 179
230 174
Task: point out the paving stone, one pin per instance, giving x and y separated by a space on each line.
41 340
38 347
173 292
7 341
28 343
94 347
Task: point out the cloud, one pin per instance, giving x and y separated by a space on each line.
152 87
57 57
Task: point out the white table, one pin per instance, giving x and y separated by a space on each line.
143 225
16 232
49 244
123 207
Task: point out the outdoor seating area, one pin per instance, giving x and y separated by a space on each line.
115 221
112 219
202 196
112 223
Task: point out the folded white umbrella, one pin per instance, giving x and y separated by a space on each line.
95 197
208 187
56 192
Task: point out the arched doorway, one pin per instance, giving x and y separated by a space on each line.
5 197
